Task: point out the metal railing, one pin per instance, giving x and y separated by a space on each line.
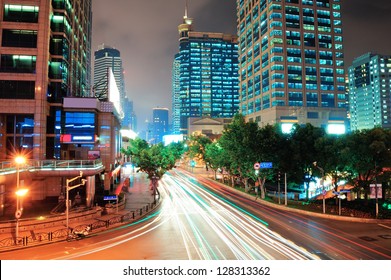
39 238
7 167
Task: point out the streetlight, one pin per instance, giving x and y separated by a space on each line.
322 182
18 213
68 188
19 209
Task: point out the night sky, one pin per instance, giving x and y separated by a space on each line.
145 32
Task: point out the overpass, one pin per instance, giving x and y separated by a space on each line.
44 179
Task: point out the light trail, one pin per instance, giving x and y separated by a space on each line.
245 236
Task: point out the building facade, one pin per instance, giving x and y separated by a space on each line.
176 108
45 56
160 126
370 92
208 74
291 62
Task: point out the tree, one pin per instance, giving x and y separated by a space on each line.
367 152
304 154
154 160
197 145
269 149
239 141
215 157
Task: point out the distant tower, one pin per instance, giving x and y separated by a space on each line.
160 124
369 91
208 74
107 57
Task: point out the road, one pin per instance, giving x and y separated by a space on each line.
195 223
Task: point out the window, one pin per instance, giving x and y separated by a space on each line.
17 89
19 38
20 13
17 63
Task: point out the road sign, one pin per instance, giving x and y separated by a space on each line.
266 165
18 214
376 191
256 165
110 197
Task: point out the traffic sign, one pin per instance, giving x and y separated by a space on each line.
110 197
266 165
256 165
18 214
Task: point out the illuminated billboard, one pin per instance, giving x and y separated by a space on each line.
114 95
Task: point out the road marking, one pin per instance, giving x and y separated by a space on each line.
384 226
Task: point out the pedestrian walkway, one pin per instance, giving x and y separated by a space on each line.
138 201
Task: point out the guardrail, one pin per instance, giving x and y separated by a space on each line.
39 238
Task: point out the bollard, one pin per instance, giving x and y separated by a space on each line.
147 208
141 211
133 215
25 240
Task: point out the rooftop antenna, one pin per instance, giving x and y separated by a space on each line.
186 10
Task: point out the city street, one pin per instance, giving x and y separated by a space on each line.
194 223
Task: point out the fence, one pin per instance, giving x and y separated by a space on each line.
39 238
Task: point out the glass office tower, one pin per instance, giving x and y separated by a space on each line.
291 62
208 74
369 92
45 48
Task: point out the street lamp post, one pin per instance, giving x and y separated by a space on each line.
18 213
19 209
68 188
322 181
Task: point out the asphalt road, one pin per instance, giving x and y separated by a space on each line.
196 223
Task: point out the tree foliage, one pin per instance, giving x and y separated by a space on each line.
155 160
358 157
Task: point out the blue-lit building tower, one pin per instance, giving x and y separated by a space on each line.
208 74
370 91
160 124
291 59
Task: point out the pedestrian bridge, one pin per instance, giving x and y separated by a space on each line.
53 167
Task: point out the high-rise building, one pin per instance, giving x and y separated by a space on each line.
370 92
291 61
160 125
45 56
176 105
208 74
107 57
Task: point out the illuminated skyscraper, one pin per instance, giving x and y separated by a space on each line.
208 74
292 62
370 92
176 104
45 49
159 124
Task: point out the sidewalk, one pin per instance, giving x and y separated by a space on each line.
138 196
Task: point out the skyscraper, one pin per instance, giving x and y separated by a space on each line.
208 74
160 124
370 92
176 105
107 57
45 56
291 62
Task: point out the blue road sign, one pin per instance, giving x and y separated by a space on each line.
110 197
266 165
